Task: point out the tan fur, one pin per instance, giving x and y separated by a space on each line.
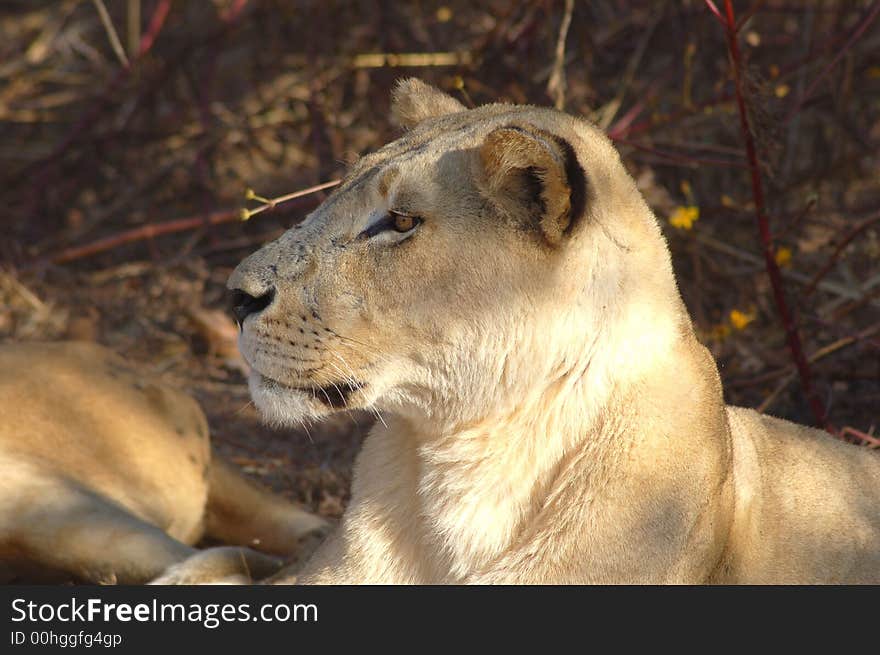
547 413
106 475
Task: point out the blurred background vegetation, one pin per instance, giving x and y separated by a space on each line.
130 130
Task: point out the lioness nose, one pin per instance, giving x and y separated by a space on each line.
244 304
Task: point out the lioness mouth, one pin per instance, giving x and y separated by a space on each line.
333 395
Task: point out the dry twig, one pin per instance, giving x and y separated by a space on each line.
556 84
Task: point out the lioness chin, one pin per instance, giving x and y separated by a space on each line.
495 287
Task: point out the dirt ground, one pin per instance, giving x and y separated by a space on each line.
123 170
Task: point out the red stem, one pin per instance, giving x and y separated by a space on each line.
717 13
153 230
233 11
622 125
792 337
155 26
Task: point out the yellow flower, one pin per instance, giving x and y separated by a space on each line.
783 256
727 201
444 14
740 320
782 90
684 218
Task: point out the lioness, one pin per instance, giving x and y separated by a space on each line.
495 286
107 475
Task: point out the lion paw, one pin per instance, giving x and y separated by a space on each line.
224 565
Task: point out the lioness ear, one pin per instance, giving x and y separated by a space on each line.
533 176
412 101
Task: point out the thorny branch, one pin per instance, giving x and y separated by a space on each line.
769 249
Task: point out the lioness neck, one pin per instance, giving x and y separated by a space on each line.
480 488
477 493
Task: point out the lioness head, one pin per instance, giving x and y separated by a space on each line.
460 270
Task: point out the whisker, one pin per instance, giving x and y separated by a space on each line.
350 377
329 402
354 382
306 428
370 350
243 407
379 416
341 395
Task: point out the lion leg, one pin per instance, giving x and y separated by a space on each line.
52 524
239 512
56 525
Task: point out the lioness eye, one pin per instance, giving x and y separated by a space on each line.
400 223
403 223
